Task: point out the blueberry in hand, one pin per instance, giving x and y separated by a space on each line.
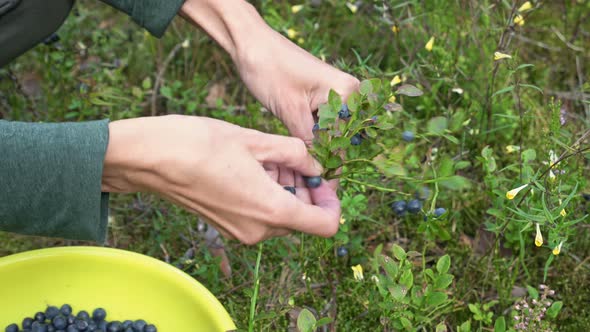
99 314
357 139
11 328
399 207
408 136
150 328
313 181
414 206
439 212
344 112
51 312
66 310
60 322
316 127
290 189
341 251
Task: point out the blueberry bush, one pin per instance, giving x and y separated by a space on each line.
462 160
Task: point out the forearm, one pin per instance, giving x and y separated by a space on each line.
234 24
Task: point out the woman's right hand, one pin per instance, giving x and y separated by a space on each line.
225 173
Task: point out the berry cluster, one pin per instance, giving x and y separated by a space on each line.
62 320
414 206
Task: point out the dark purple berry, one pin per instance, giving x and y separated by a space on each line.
40 317
81 324
344 112
66 310
150 328
99 314
27 323
414 206
408 136
290 189
356 139
11 328
399 208
60 322
139 325
439 212
51 312
341 251
313 181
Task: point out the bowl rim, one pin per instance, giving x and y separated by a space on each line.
221 316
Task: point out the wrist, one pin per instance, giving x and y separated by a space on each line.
233 24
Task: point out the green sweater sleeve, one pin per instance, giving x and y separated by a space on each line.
153 15
50 179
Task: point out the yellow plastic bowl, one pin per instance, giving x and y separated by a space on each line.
126 284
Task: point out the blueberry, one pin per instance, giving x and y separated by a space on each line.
342 251
50 328
414 206
51 312
374 119
422 194
60 322
38 327
586 196
129 329
399 207
115 327
92 326
344 112
356 139
313 181
99 314
127 324
66 310
150 328
439 212
81 324
11 328
72 328
27 322
408 136
139 325
316 127
40 317
102 326
83 315
290 189
71 319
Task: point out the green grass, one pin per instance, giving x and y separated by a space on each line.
110 72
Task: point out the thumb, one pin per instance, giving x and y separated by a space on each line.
302 126
290 152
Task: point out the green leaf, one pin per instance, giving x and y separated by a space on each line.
500 325
147 83
335 101
393 107
399 252
530 86
366 87
524 65
465 327
463 164
306 321
333 162
441 327
327 116
443 264
323 321
435 299
529 155
437 125
390 168
407 279
554 309
443 281
504 90
353 101
409 90
474 309
398 292
455 182
533 292
405 323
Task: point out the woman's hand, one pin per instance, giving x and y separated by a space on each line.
286 79
224 173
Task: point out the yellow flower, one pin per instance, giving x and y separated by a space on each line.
499 56
525 6
358 272
395 29
519 20
392 99
185 43
292 33
300 40
296 9
342 220
429 44
512 193
395 80
353 8
512 148
551 176
562 212
557 249
538 237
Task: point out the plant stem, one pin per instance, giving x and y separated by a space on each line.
256 287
